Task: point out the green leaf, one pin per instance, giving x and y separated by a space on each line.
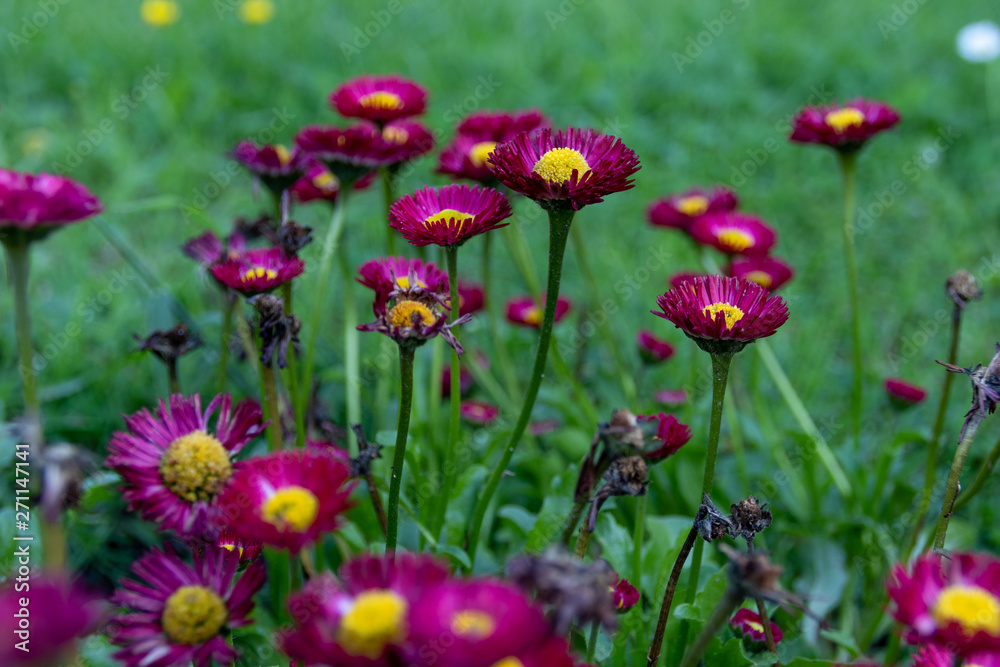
706 601
616 541
729 654
550 522
843 639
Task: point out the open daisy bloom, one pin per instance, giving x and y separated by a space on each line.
844 127
722 314
524 310
679 211
410 276
448 216
59 612
408 140
953 603
179 614
276 166
565 169
256 271
770 273
733 233
174 466
287 499
379 99
33 205
349 153
467 156
747 623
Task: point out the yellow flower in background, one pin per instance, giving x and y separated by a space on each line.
160 12
256 11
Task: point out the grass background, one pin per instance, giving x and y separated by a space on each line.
718 117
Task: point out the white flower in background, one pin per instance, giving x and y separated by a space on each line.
979 42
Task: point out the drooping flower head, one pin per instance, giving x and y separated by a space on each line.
722 314
467 156
733 233
379 99
524 310
57 613
479 413
680 210
626 595
258 270
180 614
410 277
364 619
749 625
844 127
950 602
34 205
565 169
174 466
652 350
408 140
448 216
669 437
287 499
904 394
276 166
770 273
349 153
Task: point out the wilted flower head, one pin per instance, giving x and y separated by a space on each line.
33 205
170 345
379 99
58 613
448 216
65 468
844 127
258 270
277 330
962 287
985 389
749 517
710 522
293 237
979 42
733 233
565 169
626 476
681 210
770 273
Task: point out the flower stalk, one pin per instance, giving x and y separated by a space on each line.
406 353
847 161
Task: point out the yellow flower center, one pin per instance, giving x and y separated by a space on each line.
473 623
693 205
841 119
284 155
762 278
558 165
973 608
326 182
381 100
442 218
732 313
735 240
256 11
160 12
754 625
196 467
193 615
396 135
407 313
480 153
291 508
257 272
509 662
533 315
377 618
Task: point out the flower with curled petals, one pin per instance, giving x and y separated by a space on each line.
405 276
379 99
258 270
844 127
564 169
448 216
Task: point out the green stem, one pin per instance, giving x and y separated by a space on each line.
319 292
640 524
18 267
727 605
583 539
559 226
387 196
947 507
653 655
402 427
293 376
272 409
294 574
847 164
172 380
981 477
227 332
930 472
352 343
765 621
455 399
592 642
376 502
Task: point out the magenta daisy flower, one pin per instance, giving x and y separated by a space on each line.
349 153
679 279
844 127
379 99
44 622
733 233
470 298
319 184
722 314
467 156
566 169
258 270
904 394
409 140
33 205
287 499
626 595
276 166
652 350
770 273
174 466
524 310
411 277
180 614
679 211
748 624
670 436
364 619
950 602
209 248
414 319
671 397
448 216
479 413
